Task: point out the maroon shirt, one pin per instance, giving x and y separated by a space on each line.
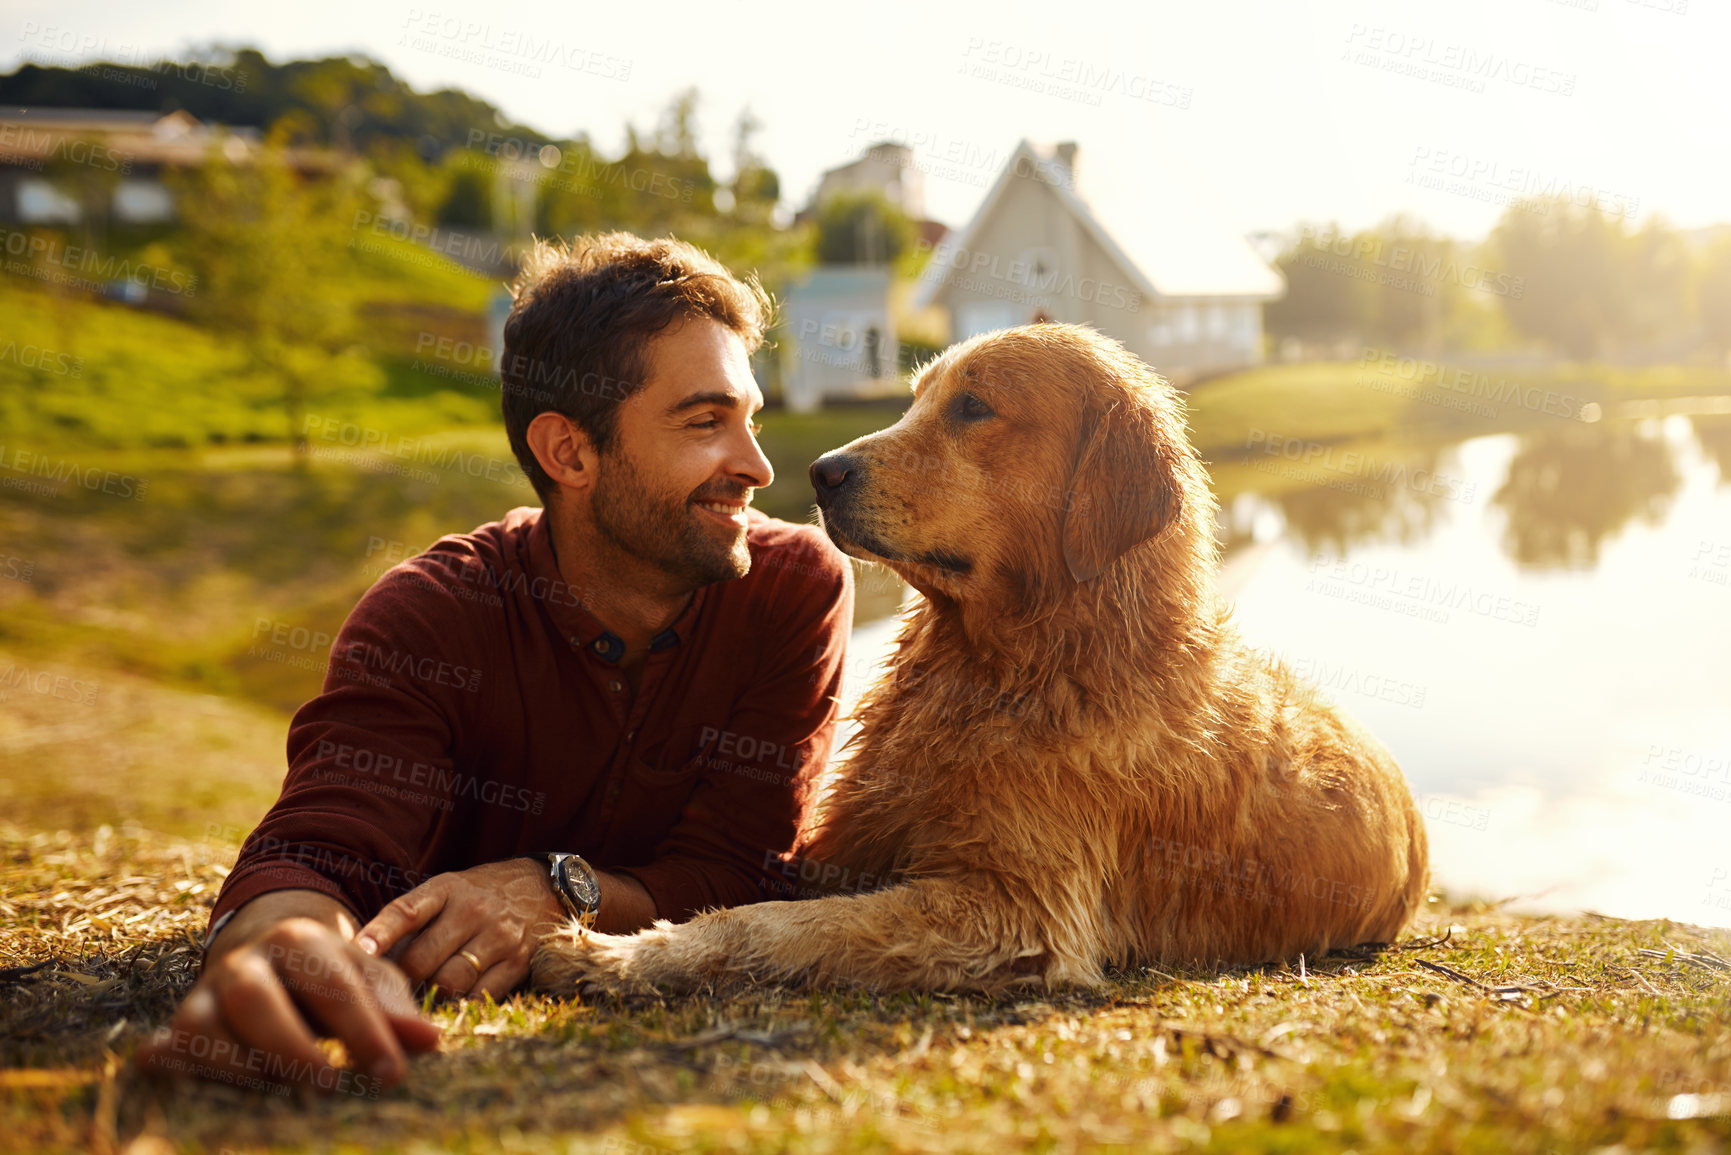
473 710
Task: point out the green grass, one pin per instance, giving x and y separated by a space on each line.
1552 1034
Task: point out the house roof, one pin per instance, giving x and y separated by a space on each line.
1164 254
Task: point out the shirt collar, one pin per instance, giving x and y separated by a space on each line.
567 608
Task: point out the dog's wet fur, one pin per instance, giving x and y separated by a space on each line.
1072 761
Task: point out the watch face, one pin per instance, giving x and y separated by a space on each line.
582 881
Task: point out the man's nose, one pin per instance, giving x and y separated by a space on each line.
829 473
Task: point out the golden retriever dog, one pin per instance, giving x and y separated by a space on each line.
1071 761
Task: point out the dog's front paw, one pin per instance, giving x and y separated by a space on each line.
572 961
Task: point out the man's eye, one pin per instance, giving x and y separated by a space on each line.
712 423
973 409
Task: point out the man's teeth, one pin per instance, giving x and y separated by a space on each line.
724 510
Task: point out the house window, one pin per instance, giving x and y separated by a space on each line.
143 202
40 203
1217 322
1187 323
978 317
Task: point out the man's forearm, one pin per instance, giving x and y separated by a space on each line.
277 906
625 905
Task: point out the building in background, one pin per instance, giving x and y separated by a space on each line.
127 152
1181 295
839 337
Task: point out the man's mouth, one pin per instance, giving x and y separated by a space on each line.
731 512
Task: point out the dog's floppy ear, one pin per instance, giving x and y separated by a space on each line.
1123 491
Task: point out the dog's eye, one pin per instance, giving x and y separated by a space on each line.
971 408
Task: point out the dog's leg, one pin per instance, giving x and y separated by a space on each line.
929 934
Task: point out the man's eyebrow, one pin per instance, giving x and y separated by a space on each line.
708 397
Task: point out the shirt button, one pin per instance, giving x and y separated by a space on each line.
616 685
631 736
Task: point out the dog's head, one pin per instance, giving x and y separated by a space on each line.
1031 462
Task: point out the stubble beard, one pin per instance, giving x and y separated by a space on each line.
666 532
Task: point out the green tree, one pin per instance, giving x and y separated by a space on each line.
468 201
269 249
862 228
1590 287
1713 294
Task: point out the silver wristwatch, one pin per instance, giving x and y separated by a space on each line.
575 884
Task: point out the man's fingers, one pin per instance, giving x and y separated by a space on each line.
257 1010
415 1033
406 914
349 1001
500 979
460 919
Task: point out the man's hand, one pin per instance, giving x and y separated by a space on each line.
497 912
253 1013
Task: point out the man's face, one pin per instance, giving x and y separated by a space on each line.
673 487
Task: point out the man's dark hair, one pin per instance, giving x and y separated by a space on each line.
581 320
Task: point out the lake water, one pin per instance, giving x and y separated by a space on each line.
1538 626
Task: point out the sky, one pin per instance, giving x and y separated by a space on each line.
1261 114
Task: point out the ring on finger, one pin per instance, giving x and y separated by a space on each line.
473 960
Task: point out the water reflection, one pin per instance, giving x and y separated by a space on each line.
1569 489
1563 493
1713 431
1327 519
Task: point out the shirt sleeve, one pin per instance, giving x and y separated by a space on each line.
371 774
742 815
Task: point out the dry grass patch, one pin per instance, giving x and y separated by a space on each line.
1490 1032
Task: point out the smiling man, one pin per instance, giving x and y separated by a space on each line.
605 709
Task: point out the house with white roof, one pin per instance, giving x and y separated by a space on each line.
1180 292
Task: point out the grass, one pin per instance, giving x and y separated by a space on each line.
142 714
1486 1032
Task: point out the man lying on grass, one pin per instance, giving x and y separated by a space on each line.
643 673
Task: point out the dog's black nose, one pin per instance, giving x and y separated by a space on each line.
827 475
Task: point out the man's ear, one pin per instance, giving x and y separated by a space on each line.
565 452
1123 491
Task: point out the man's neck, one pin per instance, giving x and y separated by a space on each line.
633 600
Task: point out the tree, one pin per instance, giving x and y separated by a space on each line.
862 228
1714 296
269 250
1589 286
